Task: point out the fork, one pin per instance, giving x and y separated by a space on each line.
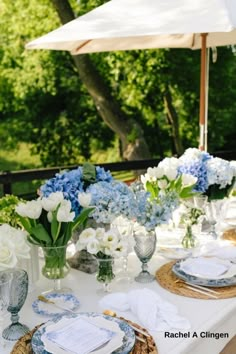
198 288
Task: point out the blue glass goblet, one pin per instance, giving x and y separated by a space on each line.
18 294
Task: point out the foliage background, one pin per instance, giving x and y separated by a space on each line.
45 108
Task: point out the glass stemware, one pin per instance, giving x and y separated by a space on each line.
212 210
17 297
5 284
125 231
55 267
145 245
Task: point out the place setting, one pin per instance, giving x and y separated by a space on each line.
204 277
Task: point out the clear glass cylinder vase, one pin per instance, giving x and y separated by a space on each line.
55 265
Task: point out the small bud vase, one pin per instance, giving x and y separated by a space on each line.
105 273
189 240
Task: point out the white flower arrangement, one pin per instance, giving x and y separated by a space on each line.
13 246
165 178
102 243
50 220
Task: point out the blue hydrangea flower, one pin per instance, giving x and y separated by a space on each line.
71 184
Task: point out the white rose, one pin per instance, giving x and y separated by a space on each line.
31 209
64 213
8 258
51 202
84 199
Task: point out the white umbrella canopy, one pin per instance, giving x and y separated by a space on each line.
149 24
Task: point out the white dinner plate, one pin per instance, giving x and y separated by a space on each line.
126 346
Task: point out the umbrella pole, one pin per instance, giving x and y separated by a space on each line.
203 92
206 98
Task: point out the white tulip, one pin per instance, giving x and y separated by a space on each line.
171 173
31 209
162 184
84 199
49 216
64 213
188 180
51 202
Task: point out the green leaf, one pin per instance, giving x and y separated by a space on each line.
187 192
89 173
152 189
25 223
39 233
82 218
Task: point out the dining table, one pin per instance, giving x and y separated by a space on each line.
213 321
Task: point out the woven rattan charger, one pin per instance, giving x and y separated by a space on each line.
23 345
169 281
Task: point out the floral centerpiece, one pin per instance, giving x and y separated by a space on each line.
104 245
50 222
13 246
215 176
160 192
73 183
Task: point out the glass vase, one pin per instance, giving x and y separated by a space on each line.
145 245
55 267
105 273
189 240
17 297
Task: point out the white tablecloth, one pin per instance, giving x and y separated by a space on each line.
214 316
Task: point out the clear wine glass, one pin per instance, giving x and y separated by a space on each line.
5 284
212 210
17 297
145 245
125 231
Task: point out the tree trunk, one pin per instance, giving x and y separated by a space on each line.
173 120
107 106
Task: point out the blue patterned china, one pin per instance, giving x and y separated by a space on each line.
194 279
128 339
68 301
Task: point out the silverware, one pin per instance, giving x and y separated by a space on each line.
61 307
198 288
137 329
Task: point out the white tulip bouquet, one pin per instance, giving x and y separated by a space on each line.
50 220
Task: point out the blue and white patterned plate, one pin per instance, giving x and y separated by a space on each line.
70 301
128 339
222 282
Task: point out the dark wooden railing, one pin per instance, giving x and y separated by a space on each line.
8 178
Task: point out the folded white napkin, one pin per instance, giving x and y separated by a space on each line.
208 267
154 313
68 333
220 249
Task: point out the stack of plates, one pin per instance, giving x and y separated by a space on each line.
121 343
206 271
